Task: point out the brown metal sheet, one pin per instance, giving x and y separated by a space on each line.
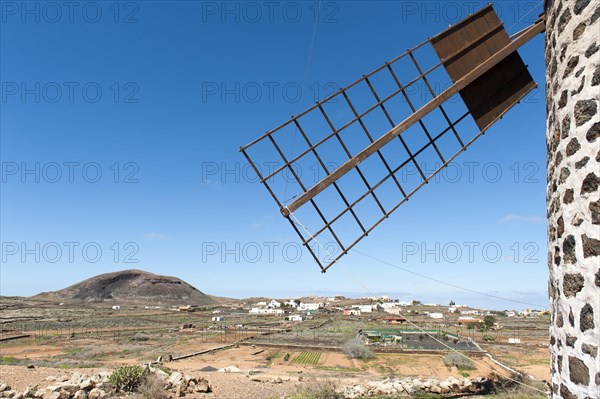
494 93
468 44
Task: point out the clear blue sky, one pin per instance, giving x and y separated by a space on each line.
158 96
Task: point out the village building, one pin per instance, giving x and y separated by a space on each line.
468 320
394 320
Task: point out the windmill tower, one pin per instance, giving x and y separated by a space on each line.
360 140
573 140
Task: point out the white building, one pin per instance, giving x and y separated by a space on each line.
364 308
397 311
218 318
309 306
291 303
116 307
391 307
265 311
531 312
295 317
274 304
468 320
436 315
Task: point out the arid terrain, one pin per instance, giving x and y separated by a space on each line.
248 355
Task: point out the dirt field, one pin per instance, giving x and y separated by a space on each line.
89 339
224 386
532 360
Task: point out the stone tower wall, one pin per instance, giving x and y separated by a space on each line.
573 140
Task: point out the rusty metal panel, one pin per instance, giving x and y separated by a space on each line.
468 44
494 93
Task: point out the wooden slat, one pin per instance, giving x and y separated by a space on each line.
466 46
471 42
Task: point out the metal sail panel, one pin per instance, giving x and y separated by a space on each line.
340 168
493 94
295 156
469 44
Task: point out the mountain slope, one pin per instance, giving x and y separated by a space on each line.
131 286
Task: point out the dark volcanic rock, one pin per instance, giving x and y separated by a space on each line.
131 286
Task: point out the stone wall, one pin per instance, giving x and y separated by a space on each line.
573 143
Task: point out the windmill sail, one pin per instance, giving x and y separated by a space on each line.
340 168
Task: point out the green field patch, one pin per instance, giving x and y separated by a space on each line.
542 362
340 369
307 358
11 361
275 355
73 351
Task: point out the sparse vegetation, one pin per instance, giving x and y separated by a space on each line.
57 363
140 337
461 362
318 389
518 387
73 351
274 355
427 395
93 335
152 387
356 349
488 323
340 369
127 378
10 361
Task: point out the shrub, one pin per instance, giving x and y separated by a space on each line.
319 389
356 349
286 357
517 387
152 387
488 322
140 337
459 361
127 378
